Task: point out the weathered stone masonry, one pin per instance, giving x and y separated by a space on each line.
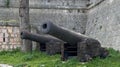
103 23
9 37
66 13
96 18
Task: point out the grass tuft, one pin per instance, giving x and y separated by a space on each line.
40 59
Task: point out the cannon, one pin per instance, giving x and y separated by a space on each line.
62 33
48 43
87 48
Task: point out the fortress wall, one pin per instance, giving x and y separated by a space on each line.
104 23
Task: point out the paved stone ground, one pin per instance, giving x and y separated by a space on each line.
5 65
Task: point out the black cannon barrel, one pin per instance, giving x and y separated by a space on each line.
62 33
38 38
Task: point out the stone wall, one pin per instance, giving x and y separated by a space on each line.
9 15
102 17
9 37
104 23
67 13
46 3
70 19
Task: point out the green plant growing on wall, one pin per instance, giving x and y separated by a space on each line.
7 3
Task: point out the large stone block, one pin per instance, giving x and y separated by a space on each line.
1 39
9 16
103 23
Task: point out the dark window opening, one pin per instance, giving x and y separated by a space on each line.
3 37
